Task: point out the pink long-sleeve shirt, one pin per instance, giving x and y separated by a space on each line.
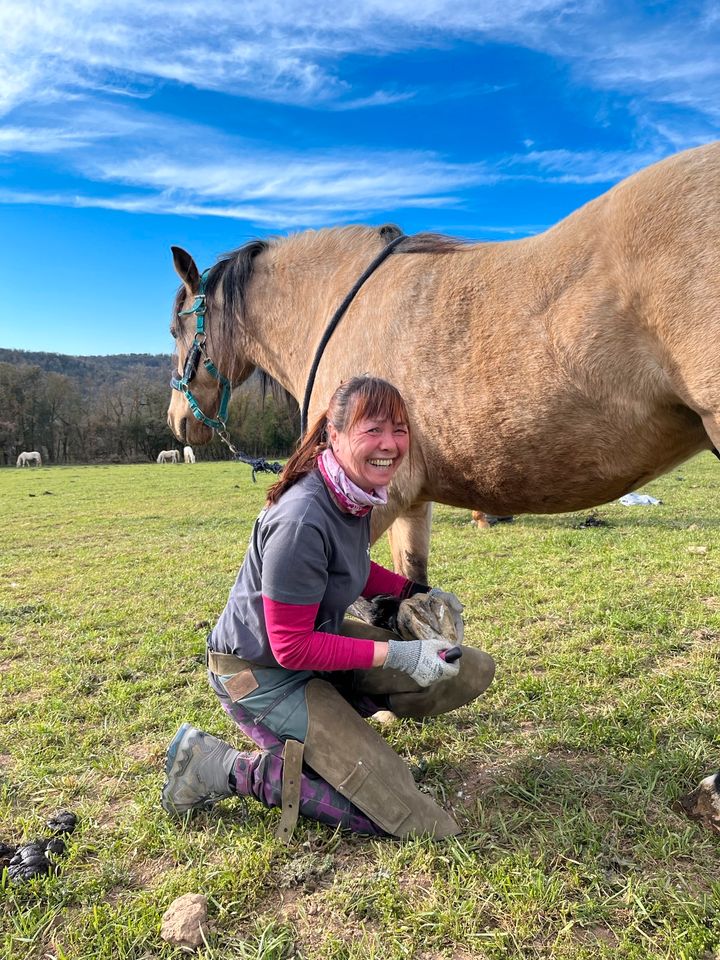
296 644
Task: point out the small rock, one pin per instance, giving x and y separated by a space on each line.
697 550
185 922
384 717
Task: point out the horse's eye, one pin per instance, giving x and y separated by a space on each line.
173 331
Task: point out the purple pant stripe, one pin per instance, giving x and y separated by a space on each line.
259 774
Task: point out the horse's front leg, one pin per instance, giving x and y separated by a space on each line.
409 538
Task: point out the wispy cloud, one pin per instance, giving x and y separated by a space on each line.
219 175
291 52
578 166
112 54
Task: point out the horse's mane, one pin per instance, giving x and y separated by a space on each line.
231 275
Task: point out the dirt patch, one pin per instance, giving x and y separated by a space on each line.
712 603
147 873
597 933
145 752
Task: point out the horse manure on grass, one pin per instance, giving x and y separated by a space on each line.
591 520
62 822
38 857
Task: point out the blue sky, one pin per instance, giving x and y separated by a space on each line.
129 126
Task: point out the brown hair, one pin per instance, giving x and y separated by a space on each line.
356 399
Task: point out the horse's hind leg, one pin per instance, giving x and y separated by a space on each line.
409 538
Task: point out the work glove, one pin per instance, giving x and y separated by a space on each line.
456 609
420 660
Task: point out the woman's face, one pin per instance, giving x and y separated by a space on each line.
371 451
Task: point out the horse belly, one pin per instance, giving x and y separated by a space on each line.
553 468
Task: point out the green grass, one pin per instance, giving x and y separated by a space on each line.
564 775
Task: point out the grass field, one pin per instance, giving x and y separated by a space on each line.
564 776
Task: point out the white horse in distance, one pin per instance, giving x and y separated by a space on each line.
169 456
188 455
27 458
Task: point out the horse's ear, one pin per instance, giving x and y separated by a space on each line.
186 269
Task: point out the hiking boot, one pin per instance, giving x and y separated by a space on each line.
197 768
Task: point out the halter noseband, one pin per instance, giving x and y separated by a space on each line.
192 362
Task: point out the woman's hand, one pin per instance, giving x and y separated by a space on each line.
421 660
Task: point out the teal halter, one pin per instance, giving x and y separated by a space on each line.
192 361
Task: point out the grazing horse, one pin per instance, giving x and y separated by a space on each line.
29 457
188 454
543 375
168 456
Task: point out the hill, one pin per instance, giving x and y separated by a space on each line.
90 372
101 409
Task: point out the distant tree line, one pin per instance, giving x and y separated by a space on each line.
113 410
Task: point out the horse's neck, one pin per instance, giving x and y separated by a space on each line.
296 288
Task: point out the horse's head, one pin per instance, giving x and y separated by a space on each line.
207 367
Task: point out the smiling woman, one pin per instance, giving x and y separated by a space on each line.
284 623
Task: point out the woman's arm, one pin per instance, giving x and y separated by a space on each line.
384 581
297 645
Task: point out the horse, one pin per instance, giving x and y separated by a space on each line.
29 457
188 454
543 375
168 456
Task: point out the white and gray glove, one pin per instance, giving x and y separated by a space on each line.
420 660
456 608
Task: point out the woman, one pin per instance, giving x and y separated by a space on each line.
293 673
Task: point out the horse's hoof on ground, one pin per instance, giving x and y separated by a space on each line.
703 803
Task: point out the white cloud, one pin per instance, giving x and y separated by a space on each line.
218 175
287 51
583 166
58 55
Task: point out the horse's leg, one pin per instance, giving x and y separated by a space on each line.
409 538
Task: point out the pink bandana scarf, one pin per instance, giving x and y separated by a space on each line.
348 495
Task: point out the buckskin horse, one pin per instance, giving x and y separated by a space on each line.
543 375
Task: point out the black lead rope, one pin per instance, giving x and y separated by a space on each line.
715 451
258 464
337 317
